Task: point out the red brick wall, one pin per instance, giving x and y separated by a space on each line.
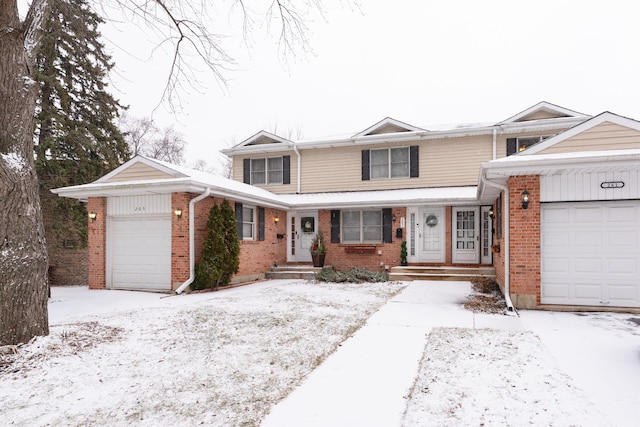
256 257
524 234
96 244
180 266
338 258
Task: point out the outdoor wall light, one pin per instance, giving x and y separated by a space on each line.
276 219
93 216
178 213
492 214
525 199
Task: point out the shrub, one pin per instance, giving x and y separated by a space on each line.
220 258
355 275
484 285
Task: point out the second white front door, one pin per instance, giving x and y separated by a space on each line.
465 235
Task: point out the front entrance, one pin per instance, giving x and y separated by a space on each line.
302 225
426 236
465 222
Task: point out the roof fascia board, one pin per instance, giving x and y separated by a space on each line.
261 134
584 126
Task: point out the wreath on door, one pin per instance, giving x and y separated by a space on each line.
432 220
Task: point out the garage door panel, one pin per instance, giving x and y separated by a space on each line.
555 265
590 253
586 265
140 249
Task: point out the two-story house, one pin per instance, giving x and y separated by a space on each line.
549 197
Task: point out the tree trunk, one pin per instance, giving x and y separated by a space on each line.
23 254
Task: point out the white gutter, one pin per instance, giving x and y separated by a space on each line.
192 245
495 144
298 178
505 211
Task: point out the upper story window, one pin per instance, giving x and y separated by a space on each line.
385 163
267 171
390 163
521 143
362 226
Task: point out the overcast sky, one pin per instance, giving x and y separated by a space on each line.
419 61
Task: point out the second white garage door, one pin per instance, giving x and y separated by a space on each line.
141 253
590 253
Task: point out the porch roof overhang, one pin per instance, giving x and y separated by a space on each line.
499 171
173 185
384 198
249 194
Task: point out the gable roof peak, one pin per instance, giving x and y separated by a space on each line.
263 137
533 112
388 125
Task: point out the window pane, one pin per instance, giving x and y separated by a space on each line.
274 173
351 226
380 163
400 162
372 230
258 175
247 214
247 231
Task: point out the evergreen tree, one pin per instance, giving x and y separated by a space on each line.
220 258
77 139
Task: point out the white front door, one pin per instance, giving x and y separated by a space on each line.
465 235
302 225
430 230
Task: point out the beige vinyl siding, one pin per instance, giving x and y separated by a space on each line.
139 172
237 171
606 136
443 163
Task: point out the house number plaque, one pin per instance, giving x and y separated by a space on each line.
612 184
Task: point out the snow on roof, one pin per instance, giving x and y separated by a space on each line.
383 198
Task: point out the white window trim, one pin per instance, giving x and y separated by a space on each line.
540 139
362 211
266 170
389 163
253 224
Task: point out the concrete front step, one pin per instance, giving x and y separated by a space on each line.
441 273
305 272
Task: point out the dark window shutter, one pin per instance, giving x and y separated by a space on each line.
511 146
386 226
366 169
335 226
261 224
414 164
286 169
239 219
246 171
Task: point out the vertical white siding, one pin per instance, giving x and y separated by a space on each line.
149 204
569 187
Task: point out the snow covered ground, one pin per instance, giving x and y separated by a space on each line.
226 358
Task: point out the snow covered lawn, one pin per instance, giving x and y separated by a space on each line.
216 359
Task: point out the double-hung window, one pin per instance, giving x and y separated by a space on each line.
390 163
266 171
362 226
248 223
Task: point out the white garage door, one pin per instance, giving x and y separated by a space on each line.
141 253
590 253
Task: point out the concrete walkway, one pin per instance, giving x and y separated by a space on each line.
365 382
